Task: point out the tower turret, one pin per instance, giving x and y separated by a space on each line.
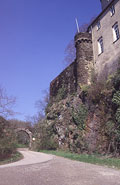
84 57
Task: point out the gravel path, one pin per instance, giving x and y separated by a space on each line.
43 169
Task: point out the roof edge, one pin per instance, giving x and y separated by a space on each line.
99 15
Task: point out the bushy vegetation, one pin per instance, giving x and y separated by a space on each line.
79 116
44 139
7 140
13 158
62 92
105 95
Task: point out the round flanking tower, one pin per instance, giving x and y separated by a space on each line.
84 57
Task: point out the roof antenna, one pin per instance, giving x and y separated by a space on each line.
77 25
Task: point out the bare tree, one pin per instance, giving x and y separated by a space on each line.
41 108
6 103
42 104
14 123
70 53
35 119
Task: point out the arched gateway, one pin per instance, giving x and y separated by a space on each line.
28 132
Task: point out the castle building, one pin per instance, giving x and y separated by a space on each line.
105 30
97 49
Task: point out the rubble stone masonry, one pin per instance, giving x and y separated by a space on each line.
78 73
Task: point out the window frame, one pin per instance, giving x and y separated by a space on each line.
98 25
116 32
112 10
100 46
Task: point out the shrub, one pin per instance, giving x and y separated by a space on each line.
62 92
116 101
44 138
116 98
7 140
7 147
116 80
79 116
47 143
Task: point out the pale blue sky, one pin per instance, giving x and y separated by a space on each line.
33 37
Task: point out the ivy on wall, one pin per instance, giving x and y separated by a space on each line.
62 92
79 116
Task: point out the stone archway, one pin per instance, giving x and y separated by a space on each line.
28 132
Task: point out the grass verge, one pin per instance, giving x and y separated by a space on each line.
21 146
14 157
93 159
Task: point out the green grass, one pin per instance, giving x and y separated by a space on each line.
21 145
93 159
14 157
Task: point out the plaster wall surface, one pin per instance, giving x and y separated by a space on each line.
106 62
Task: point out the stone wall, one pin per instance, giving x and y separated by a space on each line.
79 72
74 129
84 57
66 81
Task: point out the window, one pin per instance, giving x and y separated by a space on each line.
98 25
90 29
116 34
100 46
112 10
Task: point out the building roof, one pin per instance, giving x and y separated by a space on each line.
100 15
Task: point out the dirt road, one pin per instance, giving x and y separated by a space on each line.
42 169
